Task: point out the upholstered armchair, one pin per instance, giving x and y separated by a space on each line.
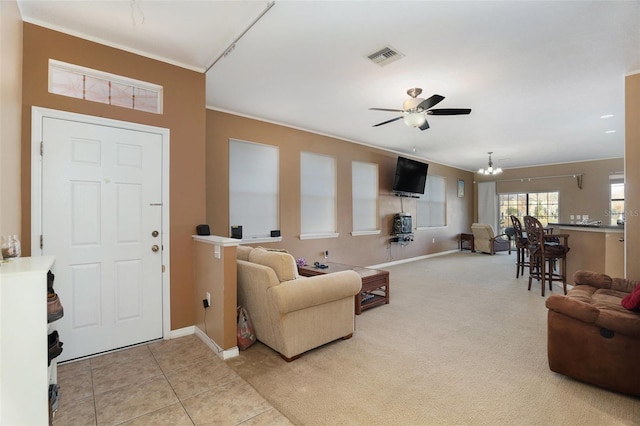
486 240
293 314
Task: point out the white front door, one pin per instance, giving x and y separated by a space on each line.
102 220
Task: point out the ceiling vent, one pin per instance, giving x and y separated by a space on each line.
385 56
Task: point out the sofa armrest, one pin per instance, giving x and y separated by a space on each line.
497 237
573 308
303 293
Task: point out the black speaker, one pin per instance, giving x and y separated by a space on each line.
203 230
402 223
236 232
275 233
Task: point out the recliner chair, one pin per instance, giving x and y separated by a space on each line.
486 240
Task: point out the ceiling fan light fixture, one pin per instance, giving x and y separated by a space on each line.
414 110
490 170
414 119
411 104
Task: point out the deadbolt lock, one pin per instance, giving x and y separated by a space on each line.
155 233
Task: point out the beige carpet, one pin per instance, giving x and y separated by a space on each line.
461 343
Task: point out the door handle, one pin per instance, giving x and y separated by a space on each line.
155 248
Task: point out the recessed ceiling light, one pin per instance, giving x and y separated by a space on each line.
610 131
606 116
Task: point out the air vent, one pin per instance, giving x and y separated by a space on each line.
385 56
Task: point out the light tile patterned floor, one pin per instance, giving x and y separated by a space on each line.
173 382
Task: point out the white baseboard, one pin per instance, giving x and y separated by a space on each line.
181 332
187 331
412 259
222 353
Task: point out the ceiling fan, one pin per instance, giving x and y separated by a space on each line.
415 110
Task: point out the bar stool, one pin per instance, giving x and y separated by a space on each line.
543 254
521 243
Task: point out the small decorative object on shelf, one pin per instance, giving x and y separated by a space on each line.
301 261
11 247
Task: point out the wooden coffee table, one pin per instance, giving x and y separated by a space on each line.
375 283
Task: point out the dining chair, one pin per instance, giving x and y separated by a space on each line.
521 241
543 252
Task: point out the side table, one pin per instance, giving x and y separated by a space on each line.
375 283
467 242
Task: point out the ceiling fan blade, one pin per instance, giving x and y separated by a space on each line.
432 101
388 121
386 109
425 126
449 111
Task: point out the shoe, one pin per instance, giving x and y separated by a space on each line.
54 397
55 346
54 308
50 278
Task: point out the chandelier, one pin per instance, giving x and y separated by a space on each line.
490 170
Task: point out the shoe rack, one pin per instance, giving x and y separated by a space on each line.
24 373
54 313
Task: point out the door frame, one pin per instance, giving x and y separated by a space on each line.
37 116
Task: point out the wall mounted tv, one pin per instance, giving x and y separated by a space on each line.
411 177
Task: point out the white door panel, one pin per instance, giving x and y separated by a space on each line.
101 201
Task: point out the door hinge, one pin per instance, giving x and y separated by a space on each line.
41 148
40 241
162 268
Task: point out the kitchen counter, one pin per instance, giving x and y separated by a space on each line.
598 248
587 226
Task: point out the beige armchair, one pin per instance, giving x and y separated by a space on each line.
486 241
293 314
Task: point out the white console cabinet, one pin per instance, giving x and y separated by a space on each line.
24 374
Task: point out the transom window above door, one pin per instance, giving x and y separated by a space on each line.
92 85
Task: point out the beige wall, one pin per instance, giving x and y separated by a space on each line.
632 176
217 275
592 199
10 115
183 115
361 250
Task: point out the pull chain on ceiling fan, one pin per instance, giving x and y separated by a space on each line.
415 110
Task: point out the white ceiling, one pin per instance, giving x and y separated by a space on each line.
538 75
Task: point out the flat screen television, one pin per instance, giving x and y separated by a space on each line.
411 176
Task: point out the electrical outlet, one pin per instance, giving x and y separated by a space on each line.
433 240
208 296
205 303
326 254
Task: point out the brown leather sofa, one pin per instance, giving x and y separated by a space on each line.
592 337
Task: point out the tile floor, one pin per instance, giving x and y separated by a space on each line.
174 382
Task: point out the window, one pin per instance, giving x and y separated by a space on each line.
616 209
432 205
317 195
364 189
253 188
541 205
97 86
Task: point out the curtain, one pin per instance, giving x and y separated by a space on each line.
488 204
